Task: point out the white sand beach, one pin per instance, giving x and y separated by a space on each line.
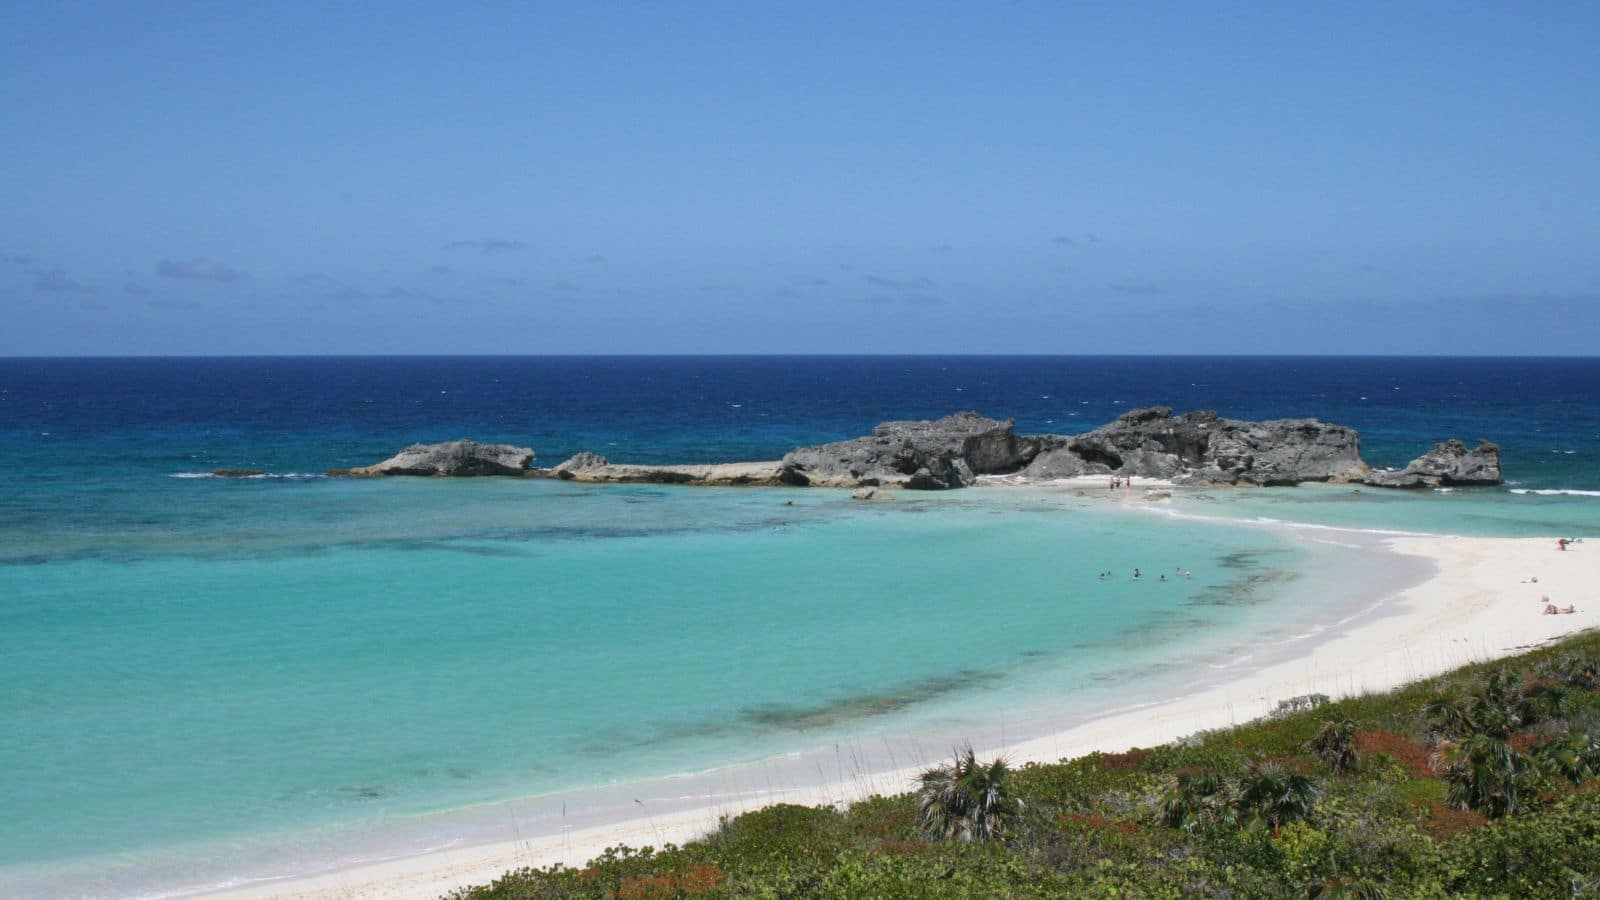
1479 604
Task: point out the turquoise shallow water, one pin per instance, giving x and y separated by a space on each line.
330 654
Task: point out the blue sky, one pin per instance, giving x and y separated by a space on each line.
755 178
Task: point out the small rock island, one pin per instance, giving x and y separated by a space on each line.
1198 447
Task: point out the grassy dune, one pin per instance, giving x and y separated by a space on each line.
1483 781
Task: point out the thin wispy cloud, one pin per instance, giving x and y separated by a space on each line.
1135 287
16 259
1070 240
896 284
56 281
400 293
487 245
172 303
566 287
441 270
911 300
135 289
201 269
596 259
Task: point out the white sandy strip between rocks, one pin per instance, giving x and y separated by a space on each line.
1478 605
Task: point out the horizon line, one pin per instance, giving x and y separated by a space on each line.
244 356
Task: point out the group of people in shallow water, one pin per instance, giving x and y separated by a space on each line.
1139 576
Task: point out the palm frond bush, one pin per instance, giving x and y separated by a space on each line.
1273 794
1335 744
966 800
1486 775
1197 799
1576 670
1573 757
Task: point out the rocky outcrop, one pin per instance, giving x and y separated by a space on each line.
1206 448
933 454
596 469
455 459
1448 464
1063 463
939 454
578 462
1281 452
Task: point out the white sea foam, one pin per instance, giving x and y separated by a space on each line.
1549 492
1388 532
1236 661
1282 523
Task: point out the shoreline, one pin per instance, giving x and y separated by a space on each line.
1476 605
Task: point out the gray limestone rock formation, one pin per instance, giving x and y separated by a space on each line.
578 462
1448 464
940 454
924 455
452 458
1063 463
1204 447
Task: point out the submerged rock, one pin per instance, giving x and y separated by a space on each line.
935 454
1448 464
454 459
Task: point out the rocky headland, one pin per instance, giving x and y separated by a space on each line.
954 451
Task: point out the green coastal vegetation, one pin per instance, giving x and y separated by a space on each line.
1483 782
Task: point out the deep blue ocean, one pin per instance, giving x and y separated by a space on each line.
94 420
205 681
